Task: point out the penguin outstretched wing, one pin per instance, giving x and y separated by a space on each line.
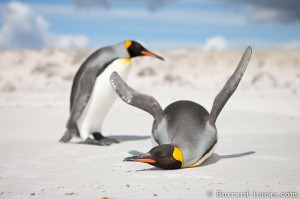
229 87
134 98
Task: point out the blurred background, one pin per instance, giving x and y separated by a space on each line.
46 41
164 24
43 43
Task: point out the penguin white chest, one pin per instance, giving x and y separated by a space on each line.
101 99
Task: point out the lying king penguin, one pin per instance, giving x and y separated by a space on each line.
185 132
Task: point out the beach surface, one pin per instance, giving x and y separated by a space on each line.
259 128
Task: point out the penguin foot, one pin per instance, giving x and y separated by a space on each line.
98 136
91 141
103 142
108 141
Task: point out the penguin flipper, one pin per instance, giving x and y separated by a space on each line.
84 91
134 98
230 86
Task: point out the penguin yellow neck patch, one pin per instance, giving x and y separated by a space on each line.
177 154
127 44
126 60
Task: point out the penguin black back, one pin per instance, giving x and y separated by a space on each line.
185 113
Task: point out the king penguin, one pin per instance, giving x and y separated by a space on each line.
91 94
184 132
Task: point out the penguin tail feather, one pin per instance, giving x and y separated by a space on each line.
66 137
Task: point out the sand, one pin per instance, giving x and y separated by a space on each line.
259 128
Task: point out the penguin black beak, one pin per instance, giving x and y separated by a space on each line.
148 53
145 158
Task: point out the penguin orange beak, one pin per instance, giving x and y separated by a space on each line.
145 158
148 53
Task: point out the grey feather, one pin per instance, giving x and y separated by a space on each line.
134 98
230 86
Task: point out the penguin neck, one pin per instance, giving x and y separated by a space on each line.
188 153
120 64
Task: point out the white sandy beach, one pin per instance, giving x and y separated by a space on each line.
259 128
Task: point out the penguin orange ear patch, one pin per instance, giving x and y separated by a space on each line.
128 44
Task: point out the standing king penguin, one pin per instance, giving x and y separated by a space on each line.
184 131
92 95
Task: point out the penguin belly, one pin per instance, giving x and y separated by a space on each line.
102 98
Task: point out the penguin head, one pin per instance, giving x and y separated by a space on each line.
166 156
135 49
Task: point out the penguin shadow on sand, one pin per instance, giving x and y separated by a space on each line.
214 158
121 138
126 138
